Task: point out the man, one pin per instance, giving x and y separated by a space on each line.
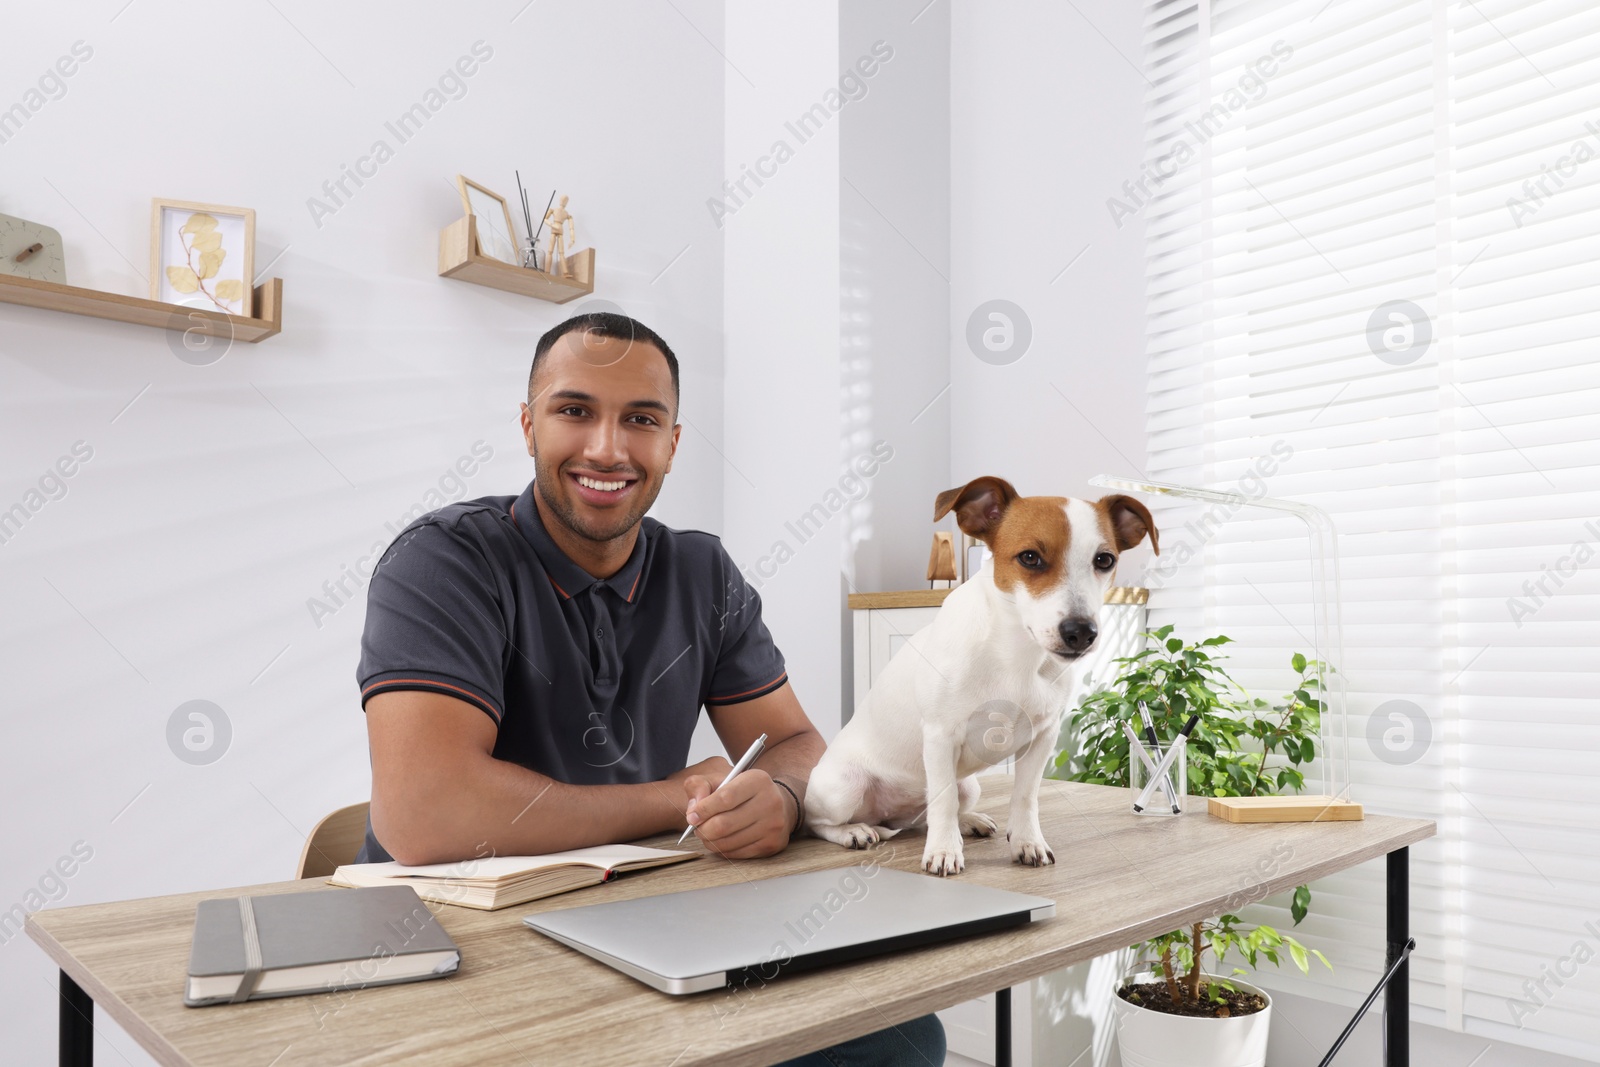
533 667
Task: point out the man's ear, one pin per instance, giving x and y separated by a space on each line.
978 505
526 420
1130 521
676 431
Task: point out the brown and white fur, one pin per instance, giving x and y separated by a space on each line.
986 680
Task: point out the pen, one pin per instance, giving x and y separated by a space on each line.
1156 776
744 761
1155 746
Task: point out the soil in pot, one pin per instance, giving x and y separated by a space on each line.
1154 995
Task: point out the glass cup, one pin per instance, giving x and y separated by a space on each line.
1139 774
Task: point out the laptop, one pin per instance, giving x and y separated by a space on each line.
709 938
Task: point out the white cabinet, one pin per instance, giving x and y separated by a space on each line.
882 623
880 633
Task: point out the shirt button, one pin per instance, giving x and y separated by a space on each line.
599 633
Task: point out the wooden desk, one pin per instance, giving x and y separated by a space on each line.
520 998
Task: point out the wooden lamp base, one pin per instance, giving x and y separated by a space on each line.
1284 809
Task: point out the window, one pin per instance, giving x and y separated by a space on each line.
1373 246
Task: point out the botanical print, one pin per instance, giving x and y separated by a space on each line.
203 256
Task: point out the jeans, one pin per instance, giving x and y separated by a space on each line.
917 1043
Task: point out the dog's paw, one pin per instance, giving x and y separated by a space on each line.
977 824
1031 851
853 834
943 859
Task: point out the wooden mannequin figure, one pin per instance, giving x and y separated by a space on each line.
942 559
561 238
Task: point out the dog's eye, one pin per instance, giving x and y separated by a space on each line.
1030 559
1104 561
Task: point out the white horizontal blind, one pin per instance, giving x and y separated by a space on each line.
1356 301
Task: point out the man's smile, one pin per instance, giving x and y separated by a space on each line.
594 489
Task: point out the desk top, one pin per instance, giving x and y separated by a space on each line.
520 998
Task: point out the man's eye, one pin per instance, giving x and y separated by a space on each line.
568 408
1030 559
1104 561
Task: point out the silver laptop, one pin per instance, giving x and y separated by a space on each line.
727 935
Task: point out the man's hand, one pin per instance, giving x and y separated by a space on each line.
716 768
674 787
747 818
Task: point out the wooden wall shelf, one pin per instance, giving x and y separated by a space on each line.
459 259
932 598
101 305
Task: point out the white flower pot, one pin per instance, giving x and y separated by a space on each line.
1147 1038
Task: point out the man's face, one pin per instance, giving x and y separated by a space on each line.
603 409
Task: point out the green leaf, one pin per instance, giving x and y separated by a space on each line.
1174 645
1301 903
1308 750
1299 663
1298 951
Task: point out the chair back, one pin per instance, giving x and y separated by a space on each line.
334 842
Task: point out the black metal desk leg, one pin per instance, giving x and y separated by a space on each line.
1397 997
1002 1027
77 1025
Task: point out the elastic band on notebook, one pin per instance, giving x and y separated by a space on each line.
252 952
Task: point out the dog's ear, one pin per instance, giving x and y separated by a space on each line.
978 504
1130 521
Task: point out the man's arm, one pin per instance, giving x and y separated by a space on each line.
439 795
753 816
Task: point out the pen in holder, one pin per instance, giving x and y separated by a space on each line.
1169 795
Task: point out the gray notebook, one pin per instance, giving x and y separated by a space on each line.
251 948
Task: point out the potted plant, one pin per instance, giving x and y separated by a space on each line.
1168 1009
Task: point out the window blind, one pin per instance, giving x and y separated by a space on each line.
1373 244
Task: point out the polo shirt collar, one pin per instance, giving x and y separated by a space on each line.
568 578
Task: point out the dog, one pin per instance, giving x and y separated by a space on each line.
989 678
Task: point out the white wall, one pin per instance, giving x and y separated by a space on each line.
894 193
781 234
1046 113
178 565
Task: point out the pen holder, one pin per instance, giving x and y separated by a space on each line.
1140 762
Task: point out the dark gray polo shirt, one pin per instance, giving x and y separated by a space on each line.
590 681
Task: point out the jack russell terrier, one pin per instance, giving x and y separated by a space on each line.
982 682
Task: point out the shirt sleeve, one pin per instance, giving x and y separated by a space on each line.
435 620
749 664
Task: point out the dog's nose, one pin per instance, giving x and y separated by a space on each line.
1078 634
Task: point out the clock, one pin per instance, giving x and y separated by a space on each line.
39 249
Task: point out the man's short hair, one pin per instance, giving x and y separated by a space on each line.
605 324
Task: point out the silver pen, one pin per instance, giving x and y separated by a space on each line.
744 761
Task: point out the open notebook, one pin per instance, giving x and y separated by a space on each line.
501 881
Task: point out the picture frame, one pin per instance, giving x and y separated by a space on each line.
497 238
185 267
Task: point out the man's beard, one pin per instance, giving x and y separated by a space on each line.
560 502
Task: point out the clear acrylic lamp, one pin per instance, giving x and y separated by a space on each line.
1327 634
